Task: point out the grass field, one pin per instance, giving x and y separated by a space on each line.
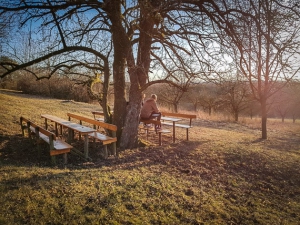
225 174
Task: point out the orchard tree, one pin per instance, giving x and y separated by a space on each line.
209 97
235 93
264 38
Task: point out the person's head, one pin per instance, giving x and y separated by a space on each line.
154 97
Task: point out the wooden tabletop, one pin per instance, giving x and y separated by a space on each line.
66 123
170 119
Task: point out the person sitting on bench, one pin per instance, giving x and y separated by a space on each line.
150 110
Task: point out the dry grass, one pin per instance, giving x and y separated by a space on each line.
225 174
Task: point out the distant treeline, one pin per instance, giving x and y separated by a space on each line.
56 87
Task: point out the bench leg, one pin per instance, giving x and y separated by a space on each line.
187 134
147 133
94 143
86 146
65 158
61 130
173 132
105 151
53 160
159 138
114 148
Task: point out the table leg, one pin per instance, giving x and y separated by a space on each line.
56 130
173 131
70 135
159 138
46 124
86 146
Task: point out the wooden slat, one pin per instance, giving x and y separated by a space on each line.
60 151
189 116
148 121
105 139
176 125
93 121
98 113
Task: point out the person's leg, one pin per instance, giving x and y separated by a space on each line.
157 116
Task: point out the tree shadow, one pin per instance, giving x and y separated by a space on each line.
18 150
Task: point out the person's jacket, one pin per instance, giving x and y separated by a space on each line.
148 107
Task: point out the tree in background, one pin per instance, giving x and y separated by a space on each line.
294 91
264 38
209 97
235 93
286 102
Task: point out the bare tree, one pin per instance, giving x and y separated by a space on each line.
264 37
209 97
235 96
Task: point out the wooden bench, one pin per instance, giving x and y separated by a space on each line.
98 113
97 135
154 122
189 117
57 146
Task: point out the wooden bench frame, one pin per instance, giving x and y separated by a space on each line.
180 115
97 135
57 146
155 122
99 114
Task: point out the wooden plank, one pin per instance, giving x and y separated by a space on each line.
105 139
148 121
93 121
189 116
58 144
176 125
59 152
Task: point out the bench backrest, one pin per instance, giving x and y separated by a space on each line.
180 115
93 122
36 127
188 116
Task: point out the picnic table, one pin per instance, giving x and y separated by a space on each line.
83 130
173 120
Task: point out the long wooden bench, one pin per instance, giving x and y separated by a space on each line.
150 121
97 135
37 133
98 113
147 128
188 117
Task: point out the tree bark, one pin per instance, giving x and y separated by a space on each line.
121 48
138 77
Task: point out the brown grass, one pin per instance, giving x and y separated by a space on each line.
225 174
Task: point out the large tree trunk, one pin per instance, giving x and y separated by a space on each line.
121 48
129 137
106 109
138 78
